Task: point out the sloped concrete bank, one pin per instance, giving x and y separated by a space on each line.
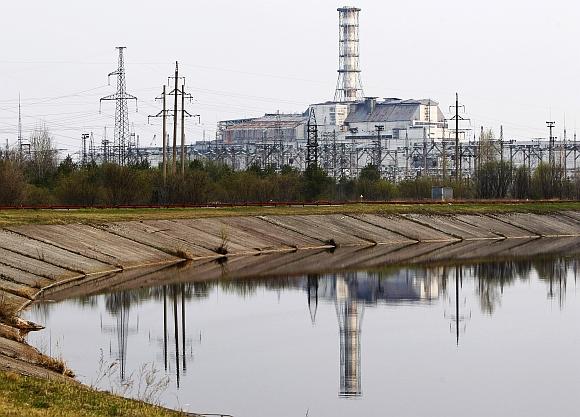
82 258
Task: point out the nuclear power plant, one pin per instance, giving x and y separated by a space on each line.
353 130
403 138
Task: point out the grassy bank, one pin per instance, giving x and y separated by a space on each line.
27 216
22 396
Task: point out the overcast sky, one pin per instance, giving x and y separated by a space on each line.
513 62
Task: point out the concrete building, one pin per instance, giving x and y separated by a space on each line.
397 119
268 128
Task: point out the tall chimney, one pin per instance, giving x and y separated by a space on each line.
349 85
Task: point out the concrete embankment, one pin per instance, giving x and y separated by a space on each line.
35 258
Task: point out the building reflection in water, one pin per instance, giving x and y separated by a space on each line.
351 293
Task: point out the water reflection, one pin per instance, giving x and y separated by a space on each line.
174 297
453 292
350 293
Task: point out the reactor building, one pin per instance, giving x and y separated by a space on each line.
351 118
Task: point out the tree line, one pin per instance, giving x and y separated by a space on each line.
39 179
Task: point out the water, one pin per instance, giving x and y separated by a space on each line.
488 339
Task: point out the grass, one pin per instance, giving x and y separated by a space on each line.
29 216
22 396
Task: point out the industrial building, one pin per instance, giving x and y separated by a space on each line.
404 138
350 120
268 129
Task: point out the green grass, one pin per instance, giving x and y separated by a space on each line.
22 396
18 217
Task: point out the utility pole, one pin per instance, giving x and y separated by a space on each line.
457 153
183 129
552 160
164 112
163 115
406 154
19 127
424 153
379 149
457 163
174 156
575 149
184 114
84 138
563 155
444 154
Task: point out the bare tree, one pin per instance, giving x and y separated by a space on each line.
43 155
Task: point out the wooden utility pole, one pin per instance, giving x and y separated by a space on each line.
174 160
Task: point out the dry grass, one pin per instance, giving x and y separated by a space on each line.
55 364
17 217
22 396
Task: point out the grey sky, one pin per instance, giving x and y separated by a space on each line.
512 61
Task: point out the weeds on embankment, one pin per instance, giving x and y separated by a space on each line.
106 215
22 396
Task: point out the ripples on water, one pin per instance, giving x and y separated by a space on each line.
482 339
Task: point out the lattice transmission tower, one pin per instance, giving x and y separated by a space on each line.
312 141
122 136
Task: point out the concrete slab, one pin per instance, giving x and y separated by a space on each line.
495 226
209 238
95 243
20 290
543 225
273 233
48 253
365 230
450 225
318 227
34 266
156 237
575 215
10 303
22 277
255 234
405 227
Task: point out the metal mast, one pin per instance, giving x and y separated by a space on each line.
312 141
349 85
551 142
19 127
122 130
